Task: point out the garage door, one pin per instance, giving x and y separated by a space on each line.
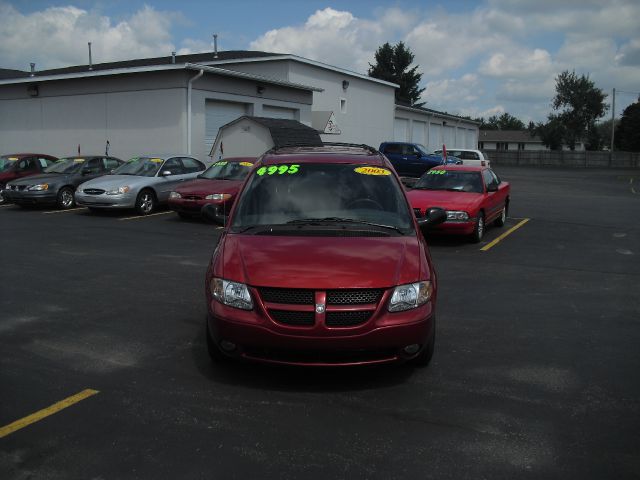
435 137
278 112
417 132
219 113
400 130
450 137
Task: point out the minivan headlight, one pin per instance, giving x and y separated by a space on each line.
233 294
413 295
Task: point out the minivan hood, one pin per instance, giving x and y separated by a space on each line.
321 262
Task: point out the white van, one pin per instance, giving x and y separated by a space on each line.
468 156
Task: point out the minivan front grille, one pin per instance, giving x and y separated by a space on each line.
347 318
288 317
293 296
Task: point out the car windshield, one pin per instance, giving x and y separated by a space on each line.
7 163
450 180
224 170
141 166
66 165
318 194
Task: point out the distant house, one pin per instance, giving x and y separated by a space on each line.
249 136
514 140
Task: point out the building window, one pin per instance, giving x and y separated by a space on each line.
521 146
480 145
502 146
343 105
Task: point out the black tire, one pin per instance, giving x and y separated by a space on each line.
424 357
502 219
214 351
65 199
146 202
478 231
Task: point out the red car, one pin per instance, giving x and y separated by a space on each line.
218 185
473 197
322 263
19 165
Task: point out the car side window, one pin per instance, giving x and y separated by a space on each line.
191 165
392 148
93 166
496 178
488 178
110 163
44 162
172 165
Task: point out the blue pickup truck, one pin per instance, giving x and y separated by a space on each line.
411 159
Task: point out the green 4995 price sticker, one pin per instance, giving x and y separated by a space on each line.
278 170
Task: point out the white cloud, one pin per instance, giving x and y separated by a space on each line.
522 64
58 36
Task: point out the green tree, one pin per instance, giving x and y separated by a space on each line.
579 104
627 136
505 121
392 64
551 133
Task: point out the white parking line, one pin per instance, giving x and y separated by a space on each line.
138 217
5 206
64 211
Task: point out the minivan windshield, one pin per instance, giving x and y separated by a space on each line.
142 166
224 170
317 194
450 180
66 166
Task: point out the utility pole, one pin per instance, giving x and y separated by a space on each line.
613 117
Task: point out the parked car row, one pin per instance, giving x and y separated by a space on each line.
345 277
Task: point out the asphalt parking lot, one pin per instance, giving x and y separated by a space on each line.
535 373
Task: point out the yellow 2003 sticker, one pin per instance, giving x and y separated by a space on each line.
157 160
372 171
78 160
278 169
246 164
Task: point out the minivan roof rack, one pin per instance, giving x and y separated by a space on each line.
360 146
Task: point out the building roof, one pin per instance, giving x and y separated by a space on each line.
510 136
410 108
286 132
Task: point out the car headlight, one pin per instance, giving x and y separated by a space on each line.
175 195
39 187
119 191
218 196
233 294
455 215
406 297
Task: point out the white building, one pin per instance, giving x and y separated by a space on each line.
177 104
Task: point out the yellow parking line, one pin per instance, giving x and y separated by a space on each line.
45 412
508 232
64 211
138 217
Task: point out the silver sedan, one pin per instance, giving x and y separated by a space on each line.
141 183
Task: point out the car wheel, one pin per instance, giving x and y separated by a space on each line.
65 198
501 220
146 202
424 357
214 351
478 231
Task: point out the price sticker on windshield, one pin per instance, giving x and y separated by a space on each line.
246 164
157 160
278 170
13 159
220 164
78 160
372 171
436 172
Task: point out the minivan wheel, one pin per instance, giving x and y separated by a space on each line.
65 198
424 357
145 202
478 231
214 351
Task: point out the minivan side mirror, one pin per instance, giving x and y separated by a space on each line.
211 214
434 216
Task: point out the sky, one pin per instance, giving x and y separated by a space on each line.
477 58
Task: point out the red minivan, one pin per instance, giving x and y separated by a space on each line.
322 263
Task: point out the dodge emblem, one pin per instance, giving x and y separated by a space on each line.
319 307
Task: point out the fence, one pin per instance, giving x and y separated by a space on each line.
565 158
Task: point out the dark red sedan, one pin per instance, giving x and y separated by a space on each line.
473 197
218 185
18 165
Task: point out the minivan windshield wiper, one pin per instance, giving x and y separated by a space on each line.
317 221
